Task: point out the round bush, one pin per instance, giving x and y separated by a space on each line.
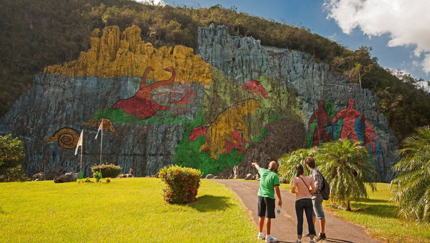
110 170
181 183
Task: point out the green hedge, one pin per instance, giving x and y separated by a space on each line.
110 170
181 183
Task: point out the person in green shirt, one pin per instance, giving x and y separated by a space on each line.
269 183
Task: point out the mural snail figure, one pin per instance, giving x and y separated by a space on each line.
66 138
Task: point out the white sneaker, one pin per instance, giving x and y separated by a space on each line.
269 238
261 236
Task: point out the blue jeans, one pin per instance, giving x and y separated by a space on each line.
306 205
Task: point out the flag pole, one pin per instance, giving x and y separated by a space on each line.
82 148
101 147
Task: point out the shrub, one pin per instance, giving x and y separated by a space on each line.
15 174
110 170
181 183
11 157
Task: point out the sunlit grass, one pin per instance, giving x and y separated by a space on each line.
377 214
125 210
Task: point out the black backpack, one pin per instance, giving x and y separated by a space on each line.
325 190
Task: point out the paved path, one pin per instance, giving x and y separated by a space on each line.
284 227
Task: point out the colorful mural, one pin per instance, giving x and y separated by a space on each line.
66 137
255 87
348 123
222 128
141 105
323 120
233 117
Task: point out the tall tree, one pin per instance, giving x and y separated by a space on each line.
347 166
411 188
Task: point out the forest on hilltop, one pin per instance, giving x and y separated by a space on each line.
38 33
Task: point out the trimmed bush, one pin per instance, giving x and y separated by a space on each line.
181 183
110 170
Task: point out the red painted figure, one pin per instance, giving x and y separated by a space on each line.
349 115
368 139
323 120
141 104
255 87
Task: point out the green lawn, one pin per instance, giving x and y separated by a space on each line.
377 214
125 210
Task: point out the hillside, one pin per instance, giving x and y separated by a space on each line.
40 33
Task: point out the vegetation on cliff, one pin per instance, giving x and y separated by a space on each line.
40 33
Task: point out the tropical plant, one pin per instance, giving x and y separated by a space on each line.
11 157
287 163
347 166
411 188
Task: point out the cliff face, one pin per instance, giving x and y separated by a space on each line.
77 95
232 104
244 59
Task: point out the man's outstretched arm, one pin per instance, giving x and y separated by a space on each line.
256 166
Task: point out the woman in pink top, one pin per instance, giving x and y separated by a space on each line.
303 186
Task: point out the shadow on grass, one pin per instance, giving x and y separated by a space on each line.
209 203
375 207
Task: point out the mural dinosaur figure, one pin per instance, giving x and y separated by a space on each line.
141 104
255 87
229 145
222 128
66 138
107 124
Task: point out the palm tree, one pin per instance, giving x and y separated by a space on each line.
287 163
347 166
411 188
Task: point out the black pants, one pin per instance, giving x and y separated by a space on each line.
306 205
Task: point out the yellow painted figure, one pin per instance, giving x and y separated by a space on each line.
224 125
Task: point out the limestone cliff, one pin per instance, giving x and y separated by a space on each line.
117 54
243 59
235 102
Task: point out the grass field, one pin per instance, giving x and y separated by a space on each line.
125 210
377 214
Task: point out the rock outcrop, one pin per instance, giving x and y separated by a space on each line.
243 59
68 177
234 103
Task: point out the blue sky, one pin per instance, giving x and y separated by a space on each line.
354 23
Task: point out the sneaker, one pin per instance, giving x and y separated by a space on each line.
261 236
269 238
321 236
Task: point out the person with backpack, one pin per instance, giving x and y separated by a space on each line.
303 186
317 198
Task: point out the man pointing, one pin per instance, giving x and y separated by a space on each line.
269 183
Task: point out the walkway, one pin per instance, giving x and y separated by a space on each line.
284 227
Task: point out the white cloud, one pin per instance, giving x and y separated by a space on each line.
407 22
155 2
